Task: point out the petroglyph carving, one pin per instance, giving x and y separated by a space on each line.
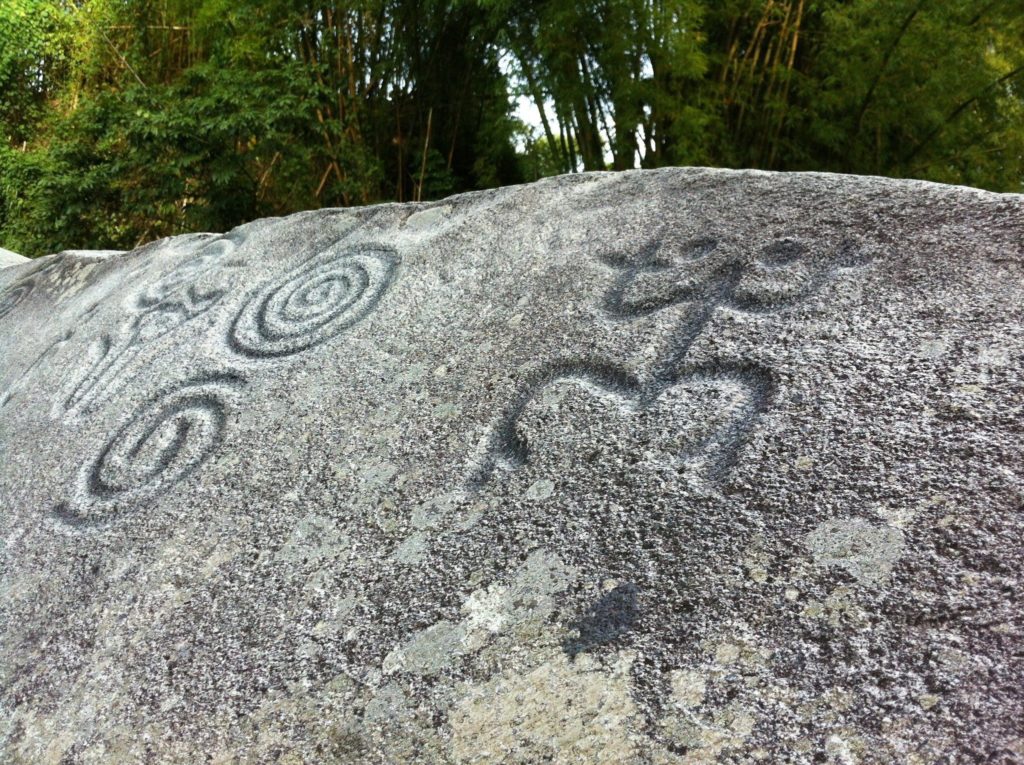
509 450
165 305
180 428
13 296
164 441
313 302
180 282
19 382
775 278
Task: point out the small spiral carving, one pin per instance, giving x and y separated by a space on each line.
10 298
162 443
313 302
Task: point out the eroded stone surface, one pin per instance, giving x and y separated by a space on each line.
8 258
674 467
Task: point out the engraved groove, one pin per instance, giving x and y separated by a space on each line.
720 286
722 447
179 284
13 296
169 303
509 450
163 443
616 302
313 302
19 382
507 447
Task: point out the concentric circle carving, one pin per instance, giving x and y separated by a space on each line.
313 302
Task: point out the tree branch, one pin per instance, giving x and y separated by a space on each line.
960 109
885 63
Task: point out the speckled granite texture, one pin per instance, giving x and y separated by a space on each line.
8 258
679 466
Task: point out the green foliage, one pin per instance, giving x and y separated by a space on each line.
34 38
915 88
125 120
538 158
129 166
178 115
897 103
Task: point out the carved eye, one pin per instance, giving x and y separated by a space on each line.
779 275
781 253
668 254
696 249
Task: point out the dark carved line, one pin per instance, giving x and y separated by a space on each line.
172 403
111 362
256 309
9 393
718 291
720 286
509 447
362 282
209 403
92 377
62 512
114 356
615 302
205 299
13 296
782 253
759 382
207 257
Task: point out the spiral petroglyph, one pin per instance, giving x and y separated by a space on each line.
163 442
313 302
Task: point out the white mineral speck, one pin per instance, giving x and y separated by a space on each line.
540 489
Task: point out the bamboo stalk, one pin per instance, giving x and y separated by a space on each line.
960 109
753 58
789 78
886 57
266 174
323 180
401 153
423 162
558 149
123 59
773 78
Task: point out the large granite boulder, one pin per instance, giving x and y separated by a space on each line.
671 467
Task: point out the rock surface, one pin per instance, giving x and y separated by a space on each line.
8 258
678 466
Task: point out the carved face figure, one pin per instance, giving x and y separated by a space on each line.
180 284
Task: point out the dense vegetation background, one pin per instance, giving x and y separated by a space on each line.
126 120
